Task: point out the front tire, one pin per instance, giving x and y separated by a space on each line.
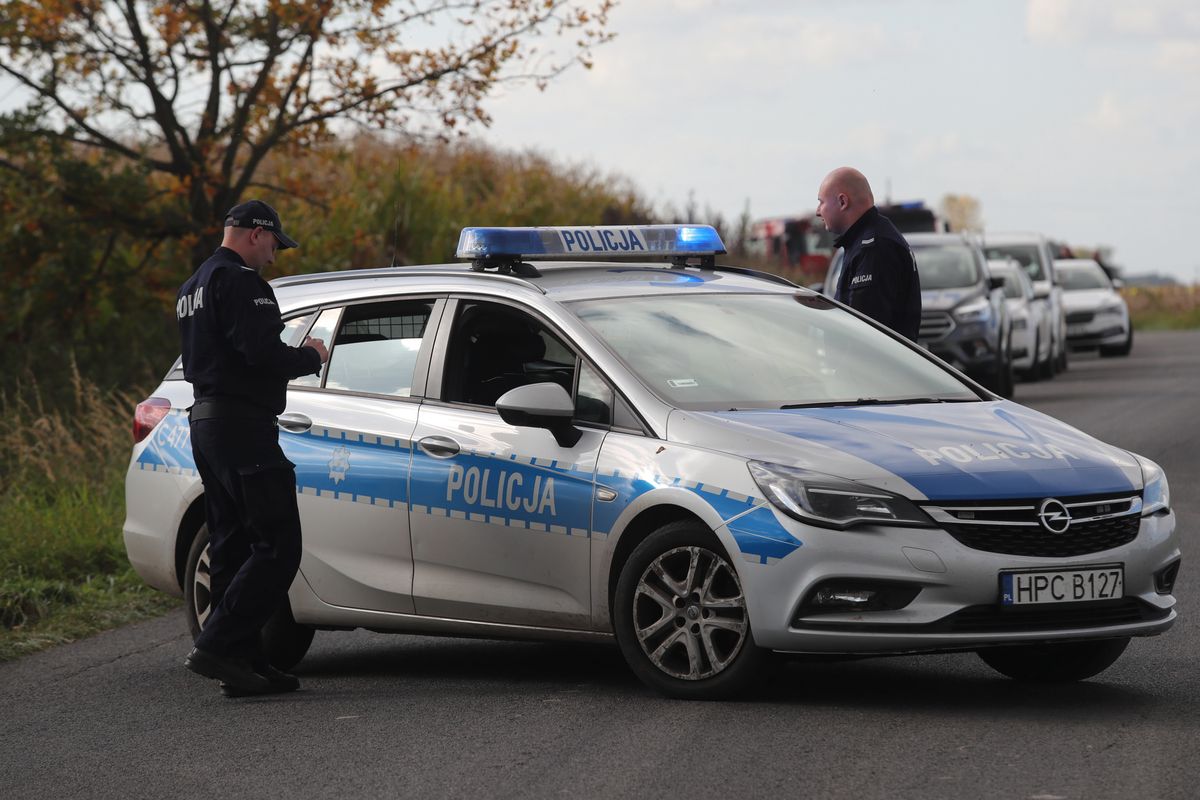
1122 349
285 641
681 618
1061 662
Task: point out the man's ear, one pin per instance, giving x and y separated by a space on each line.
843 201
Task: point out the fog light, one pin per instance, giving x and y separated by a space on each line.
845 598
842 595
1164 579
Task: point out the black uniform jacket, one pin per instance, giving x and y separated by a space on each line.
229 323
879 274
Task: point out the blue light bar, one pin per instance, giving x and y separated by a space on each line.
597 241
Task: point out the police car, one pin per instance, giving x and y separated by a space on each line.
598 433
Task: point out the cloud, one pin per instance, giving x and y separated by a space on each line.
1057 21
1178 57
1109 114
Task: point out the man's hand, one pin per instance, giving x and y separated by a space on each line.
318 345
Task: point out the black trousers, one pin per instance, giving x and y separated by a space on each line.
253 528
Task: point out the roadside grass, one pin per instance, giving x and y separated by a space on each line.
1158 308
63 570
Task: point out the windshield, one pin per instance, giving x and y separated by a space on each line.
1075 278
762 351
1026 254
946 267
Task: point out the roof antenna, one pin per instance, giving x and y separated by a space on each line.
396 235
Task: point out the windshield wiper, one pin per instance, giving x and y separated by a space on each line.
879 401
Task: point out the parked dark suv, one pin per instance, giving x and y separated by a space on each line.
963 316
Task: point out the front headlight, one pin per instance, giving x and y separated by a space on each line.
832 502
1114 308
975 311
1156 494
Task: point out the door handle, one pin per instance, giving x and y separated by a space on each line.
294 423
439 446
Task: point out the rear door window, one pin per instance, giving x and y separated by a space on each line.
376 347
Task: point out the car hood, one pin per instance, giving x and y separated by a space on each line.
1088 299
946 299
938 451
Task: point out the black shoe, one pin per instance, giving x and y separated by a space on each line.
235 672
281 682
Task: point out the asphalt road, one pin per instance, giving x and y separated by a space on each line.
118 716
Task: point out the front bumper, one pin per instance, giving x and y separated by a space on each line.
957 605
1099 330
1023 344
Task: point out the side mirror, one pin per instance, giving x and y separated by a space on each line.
1118 283
818 287
995 282
1041 292
541 405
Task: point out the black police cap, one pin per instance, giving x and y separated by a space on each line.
257 214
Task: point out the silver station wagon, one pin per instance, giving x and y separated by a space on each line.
598 433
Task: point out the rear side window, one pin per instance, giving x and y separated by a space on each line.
375 350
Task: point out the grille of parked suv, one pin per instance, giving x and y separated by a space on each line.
1076 317
935 325
1013 527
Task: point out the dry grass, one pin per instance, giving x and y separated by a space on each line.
63 570
1163 307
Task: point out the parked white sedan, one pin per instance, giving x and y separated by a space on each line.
1031 345
1097 317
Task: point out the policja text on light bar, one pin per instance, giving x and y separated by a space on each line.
596 241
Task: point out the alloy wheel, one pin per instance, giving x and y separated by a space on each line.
689 613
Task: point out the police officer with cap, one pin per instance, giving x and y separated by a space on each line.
239 369
879 274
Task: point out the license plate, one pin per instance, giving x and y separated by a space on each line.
1064 586
1076 330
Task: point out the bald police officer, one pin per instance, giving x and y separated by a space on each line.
230 326
879 274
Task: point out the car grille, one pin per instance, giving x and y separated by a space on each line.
1076 317
1013 527
1001 619
935 325
997 619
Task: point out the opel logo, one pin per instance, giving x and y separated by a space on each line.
1054 516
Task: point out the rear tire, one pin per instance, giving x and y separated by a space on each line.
1061 662
285 641
681 619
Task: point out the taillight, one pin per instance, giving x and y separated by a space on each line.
148 413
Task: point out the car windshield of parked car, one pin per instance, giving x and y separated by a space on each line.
736 351
1025 254
946 266
1077 277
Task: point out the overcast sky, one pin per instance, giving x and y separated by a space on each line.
1076 118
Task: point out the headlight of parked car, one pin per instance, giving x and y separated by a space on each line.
974 311
832 502
1156 496
1112 308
